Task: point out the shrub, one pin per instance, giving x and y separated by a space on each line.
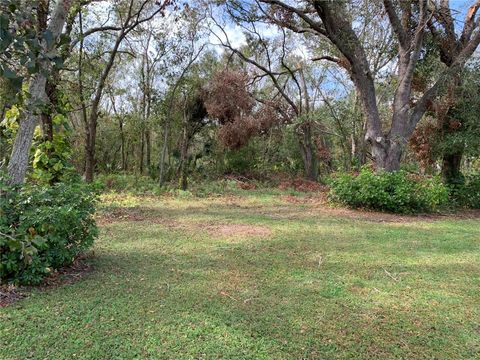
466 192
43 228
397 192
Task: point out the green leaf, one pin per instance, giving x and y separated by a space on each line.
48 37
39 241
9 73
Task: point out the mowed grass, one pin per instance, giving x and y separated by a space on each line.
259 277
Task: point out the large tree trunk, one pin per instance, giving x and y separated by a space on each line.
393 157
451 167
18 164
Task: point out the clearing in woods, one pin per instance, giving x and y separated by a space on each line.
261 276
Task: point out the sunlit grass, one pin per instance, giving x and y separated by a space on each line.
318 284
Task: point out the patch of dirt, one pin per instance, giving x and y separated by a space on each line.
9 294
245 185
318 206
315 204
64 276
376 216
243 230
122 214
318 203
69 274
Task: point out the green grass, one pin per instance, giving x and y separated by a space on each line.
170 282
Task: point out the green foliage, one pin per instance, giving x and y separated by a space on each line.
43 228
51 160
397 192
122 183
20 40
466 192
9 124
8 128
463 129
240 161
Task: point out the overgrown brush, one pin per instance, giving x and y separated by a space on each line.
43 228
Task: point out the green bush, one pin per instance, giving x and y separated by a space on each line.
43 228
397 192
466 191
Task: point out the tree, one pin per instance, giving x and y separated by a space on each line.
333 20
18 164
287 75
135 14
194 118
450 43
186 56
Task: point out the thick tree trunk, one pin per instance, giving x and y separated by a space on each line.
393 157
387 156
309 163
18 164
451 167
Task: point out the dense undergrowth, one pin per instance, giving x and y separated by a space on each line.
44 228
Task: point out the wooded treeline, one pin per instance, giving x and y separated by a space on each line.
208 88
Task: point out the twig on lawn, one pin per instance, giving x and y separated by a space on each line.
390 275
320 261
228 295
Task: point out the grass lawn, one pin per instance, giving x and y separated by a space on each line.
261 276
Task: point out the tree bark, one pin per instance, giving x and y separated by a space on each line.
148 151
166 128
122 139
18 164
90 141
308 152
451 163
184 155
